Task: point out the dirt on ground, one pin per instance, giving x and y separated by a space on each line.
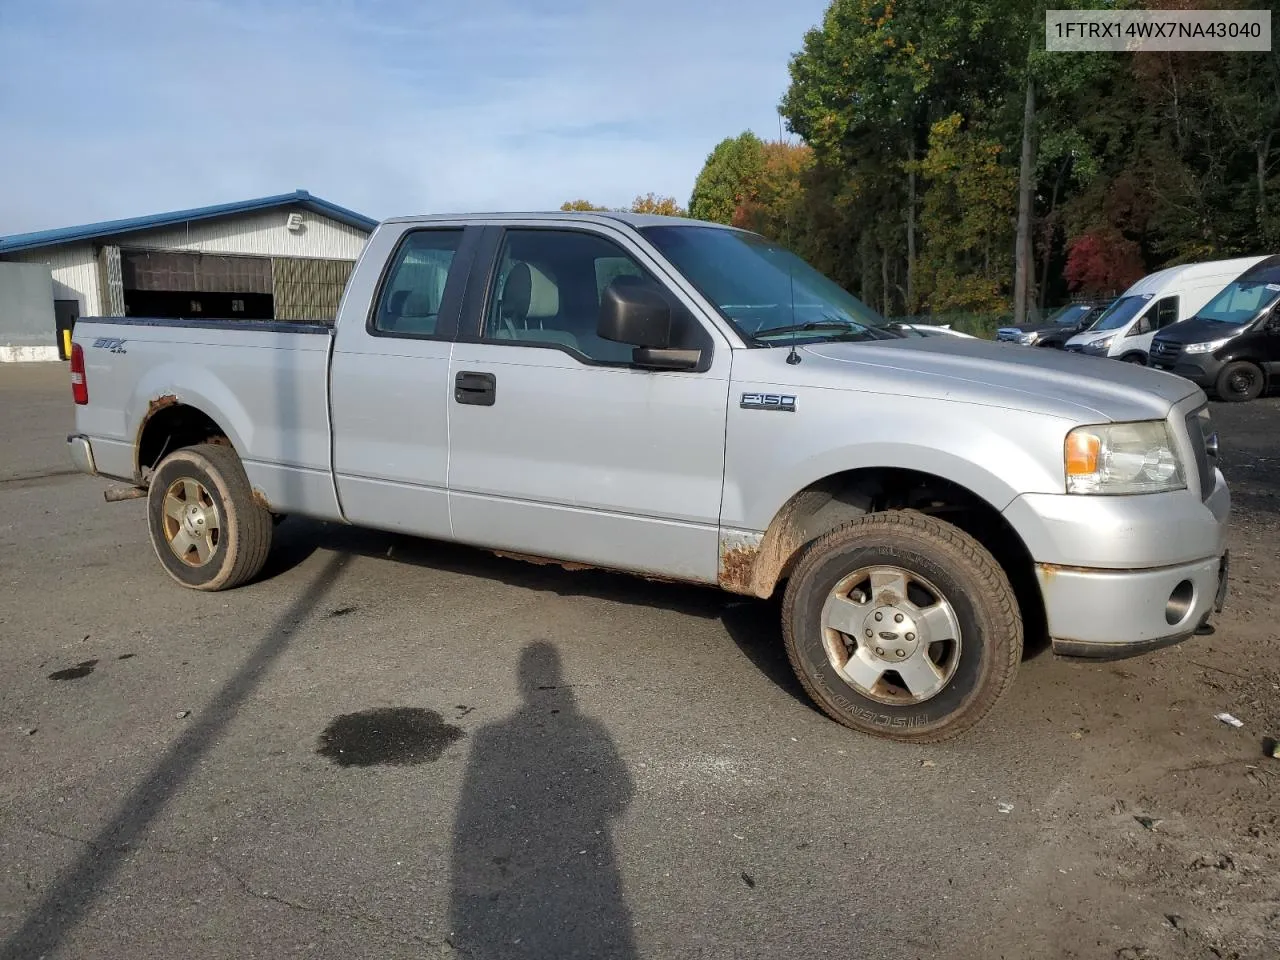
1188 816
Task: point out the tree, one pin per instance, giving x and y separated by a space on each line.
663 206
727 177
1103 263
864 91
585 206
966 216
772 202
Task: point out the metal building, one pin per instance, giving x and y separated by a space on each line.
285 257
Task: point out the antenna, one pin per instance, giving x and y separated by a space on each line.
793 358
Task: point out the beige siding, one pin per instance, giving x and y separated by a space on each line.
78 276
308 289
257 234
75 274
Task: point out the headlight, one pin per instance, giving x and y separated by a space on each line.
1027 339
1209 347
1100 346
1122 458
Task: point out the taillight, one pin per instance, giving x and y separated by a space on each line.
79 385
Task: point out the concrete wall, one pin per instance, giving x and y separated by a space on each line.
26 312
75 275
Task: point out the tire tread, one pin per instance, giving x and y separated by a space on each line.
939 535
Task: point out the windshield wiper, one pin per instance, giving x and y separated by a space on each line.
807 325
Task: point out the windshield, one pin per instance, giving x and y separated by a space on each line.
1240 302
1070 314
1121 312
764 289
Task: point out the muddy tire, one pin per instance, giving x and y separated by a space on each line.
1240 381
207 530
902 626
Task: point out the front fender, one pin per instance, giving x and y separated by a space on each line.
995 453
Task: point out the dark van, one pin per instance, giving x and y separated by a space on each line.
1231 347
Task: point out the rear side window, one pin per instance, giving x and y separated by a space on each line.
409 304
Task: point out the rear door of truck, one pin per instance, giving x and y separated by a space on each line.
389 382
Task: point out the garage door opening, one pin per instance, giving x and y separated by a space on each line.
196 285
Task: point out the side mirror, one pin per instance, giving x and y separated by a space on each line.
633 310
636 311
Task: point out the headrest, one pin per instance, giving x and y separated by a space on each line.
529 293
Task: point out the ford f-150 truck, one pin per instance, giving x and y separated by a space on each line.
685 401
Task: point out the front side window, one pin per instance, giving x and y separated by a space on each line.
409 304
548 288
765 290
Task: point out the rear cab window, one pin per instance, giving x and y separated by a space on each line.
412 293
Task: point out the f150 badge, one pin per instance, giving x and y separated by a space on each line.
769 401
114 344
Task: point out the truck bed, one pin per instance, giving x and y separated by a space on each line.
267 378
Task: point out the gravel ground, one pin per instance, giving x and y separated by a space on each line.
368 753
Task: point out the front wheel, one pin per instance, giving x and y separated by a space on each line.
1240 381
206 527
902 626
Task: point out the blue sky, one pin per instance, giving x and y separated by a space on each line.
115 108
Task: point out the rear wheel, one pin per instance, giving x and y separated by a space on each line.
1240 381
902 626
206 528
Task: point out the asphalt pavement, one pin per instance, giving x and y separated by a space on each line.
388 747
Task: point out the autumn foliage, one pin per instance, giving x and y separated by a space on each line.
1103 263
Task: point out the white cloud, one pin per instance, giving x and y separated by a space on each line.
388 108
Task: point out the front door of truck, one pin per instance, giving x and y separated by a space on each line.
559 447
390 384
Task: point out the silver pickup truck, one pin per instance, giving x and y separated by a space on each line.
690 402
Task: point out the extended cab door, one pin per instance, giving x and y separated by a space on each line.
389 381
559 446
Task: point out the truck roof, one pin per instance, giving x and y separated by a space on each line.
589 216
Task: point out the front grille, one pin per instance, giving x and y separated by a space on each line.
1204 444
1074 348
1164 351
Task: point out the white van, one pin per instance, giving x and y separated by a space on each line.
1125 329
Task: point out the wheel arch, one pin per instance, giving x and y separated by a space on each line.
756 564
168 425
168 416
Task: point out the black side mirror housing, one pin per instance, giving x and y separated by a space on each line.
633 310
636 311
